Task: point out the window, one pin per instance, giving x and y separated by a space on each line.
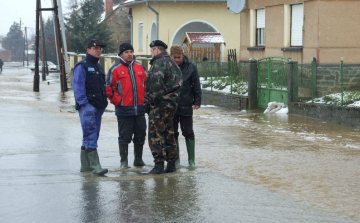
153 32
297 15
140 37
260 27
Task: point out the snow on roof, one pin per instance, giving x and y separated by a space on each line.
205 37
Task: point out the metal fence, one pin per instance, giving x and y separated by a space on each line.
337 84
229 77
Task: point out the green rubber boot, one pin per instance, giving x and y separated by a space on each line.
84 160
95 163
123 149
138 151
190 146
177 162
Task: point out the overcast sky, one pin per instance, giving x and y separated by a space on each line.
13 11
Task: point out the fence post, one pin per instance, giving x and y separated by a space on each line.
231 76
252 84
291 78
342 81
313 75
211 75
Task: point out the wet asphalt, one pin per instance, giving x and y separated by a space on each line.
40 138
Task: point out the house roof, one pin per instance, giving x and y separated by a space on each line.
204 37
135 2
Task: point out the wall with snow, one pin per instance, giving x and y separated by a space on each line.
330 113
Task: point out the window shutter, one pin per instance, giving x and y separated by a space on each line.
260 18
297 14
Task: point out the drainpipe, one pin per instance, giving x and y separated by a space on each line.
129 16
157 18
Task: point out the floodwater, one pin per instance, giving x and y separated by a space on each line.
250 167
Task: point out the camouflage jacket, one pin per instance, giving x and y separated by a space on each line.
164 82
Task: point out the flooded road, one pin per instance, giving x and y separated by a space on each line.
250 167
306 159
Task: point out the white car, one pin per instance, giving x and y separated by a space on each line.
51 66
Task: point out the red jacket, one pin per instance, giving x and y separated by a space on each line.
125 87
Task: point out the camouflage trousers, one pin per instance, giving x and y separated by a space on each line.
161 133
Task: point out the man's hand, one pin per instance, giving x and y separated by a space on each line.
147 108
196 107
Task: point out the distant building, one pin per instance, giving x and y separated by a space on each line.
5 55
117 18
301 30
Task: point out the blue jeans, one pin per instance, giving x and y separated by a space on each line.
90 118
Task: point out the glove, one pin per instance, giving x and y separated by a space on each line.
147 108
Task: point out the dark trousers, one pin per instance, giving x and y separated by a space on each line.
186 126
132 128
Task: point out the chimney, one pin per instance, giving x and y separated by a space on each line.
108 6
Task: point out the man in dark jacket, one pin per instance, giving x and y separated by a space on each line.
91 101
190 98
125 87
162 94
1 65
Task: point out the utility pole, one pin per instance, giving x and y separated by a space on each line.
63 81
36 73
24 48
27 48
61 18
23 54
45 70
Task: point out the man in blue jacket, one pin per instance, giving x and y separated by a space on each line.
91 101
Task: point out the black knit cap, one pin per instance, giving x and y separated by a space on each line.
157 42
95 42
125 46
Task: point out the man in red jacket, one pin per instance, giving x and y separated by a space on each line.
125 87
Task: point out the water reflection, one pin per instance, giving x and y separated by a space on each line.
92 208
131 198
165 198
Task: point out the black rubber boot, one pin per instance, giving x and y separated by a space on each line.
84 160
95 163
177 162
170 167
123 149
158 169
138 151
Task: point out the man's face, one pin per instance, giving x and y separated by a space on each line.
177 58
94 51
127 55
154 51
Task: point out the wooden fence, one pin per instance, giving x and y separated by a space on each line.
203 53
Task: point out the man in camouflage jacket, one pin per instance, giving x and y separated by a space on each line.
161 99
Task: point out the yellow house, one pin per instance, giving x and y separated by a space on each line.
169 20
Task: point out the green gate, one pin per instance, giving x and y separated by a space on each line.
272 82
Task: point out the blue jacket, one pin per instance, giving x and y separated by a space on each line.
89 83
